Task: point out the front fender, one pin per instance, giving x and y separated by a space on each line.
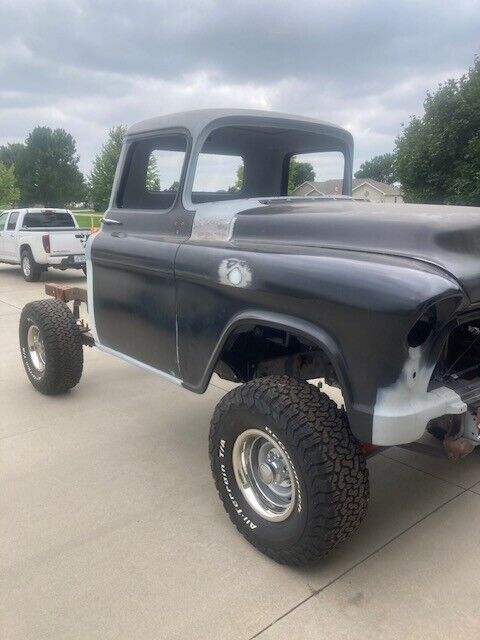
291 324
358 307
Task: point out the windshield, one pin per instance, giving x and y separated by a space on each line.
37 219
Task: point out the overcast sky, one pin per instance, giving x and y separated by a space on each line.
88 65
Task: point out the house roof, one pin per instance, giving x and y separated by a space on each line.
329 187
384 187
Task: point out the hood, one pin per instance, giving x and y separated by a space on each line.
445 236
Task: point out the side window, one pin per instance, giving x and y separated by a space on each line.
217 173
12 222
3 220
320 167
164 170
152 173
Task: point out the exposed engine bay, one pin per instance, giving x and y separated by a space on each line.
458 368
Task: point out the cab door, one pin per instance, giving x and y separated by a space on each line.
131 262
9 239
3 224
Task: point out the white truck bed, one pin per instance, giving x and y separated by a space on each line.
41 238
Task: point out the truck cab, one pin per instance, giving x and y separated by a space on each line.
182 180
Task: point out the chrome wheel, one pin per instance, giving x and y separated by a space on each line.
36 348
264 475
26 266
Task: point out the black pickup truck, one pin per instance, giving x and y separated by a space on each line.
205 264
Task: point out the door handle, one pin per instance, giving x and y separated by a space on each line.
111 221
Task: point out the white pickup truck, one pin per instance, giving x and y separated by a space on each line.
37 239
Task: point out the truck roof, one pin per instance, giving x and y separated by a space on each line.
195 121
38 209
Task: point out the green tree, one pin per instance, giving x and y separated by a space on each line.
174 186
438 154
9 191
466 185
47 169
9 157
152 181
238 184
299 172
104 167
10 153
381 168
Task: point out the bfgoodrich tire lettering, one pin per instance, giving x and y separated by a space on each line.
62 351
329 472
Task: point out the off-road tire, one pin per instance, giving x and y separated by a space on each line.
34 272
329 469
62 346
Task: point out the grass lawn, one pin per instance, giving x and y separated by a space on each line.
87 218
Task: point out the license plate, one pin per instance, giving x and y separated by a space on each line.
79 259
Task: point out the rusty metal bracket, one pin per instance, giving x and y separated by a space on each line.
77 295
66 293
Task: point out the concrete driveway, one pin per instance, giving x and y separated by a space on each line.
110 526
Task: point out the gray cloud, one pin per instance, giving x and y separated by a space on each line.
88 65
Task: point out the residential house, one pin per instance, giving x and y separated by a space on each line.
363 188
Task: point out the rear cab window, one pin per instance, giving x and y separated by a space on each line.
319 168
218 174
42 219
262 161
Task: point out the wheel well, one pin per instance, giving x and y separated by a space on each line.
23 247
255 351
